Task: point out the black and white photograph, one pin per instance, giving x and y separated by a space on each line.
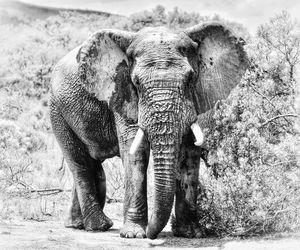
163 124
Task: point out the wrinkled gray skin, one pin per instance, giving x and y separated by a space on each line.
117 82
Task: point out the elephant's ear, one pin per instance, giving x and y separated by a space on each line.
104 71
222 62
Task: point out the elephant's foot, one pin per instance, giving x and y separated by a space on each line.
187 230
132 230
97 221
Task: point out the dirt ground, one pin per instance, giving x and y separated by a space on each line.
51 234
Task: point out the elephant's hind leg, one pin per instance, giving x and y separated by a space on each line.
82 167
100 183
185 223
74 217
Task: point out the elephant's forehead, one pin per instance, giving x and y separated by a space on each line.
152 40
159 37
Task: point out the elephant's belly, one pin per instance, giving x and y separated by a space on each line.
98 152
93 123
100 138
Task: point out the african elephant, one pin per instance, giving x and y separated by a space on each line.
121 94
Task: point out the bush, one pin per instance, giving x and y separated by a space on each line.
14 172
29 163
115 180
18 139
253 185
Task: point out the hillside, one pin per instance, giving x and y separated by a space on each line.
15 12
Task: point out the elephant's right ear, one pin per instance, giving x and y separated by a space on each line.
104 71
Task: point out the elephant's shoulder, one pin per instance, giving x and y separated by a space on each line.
65 73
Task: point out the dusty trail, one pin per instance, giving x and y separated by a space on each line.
52 235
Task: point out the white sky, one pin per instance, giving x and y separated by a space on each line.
251 13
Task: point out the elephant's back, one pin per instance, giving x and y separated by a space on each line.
90 119
65 72
67 91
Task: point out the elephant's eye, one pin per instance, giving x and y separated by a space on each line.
130 60
182 50
136 81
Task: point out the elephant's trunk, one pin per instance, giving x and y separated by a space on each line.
164 183
164 117
165 147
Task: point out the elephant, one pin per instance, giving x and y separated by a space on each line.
123 93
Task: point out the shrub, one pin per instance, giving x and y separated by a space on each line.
16 138
15 170
28 163
253 185
115 180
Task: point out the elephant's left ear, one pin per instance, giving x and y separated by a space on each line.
222 62
103 69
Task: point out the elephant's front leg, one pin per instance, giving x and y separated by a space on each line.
185 223
135 199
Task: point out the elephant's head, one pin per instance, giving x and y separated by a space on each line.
161 80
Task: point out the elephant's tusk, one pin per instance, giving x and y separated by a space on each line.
136 141
197 133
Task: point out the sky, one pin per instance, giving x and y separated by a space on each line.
251 13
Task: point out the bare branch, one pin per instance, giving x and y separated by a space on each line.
47 190
50 191
277 117
269 101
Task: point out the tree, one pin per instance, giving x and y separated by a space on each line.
182 19
281 36
154 18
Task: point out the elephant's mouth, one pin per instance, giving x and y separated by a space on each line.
197 131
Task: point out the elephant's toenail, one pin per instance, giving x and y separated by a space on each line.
129 235
140 235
